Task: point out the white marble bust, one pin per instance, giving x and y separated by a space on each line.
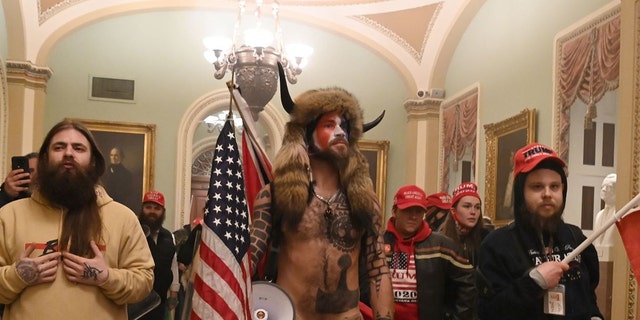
608 195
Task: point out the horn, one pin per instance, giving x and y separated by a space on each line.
285 97
368 126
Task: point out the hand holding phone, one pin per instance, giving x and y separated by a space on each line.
20 162
16 187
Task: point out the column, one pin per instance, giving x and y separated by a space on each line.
423 143
26 102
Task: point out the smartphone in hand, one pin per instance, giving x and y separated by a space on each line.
20 162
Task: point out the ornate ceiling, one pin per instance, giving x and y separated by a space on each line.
416 36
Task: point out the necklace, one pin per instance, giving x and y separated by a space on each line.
328 213
547 250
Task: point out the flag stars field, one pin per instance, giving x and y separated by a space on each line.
222 280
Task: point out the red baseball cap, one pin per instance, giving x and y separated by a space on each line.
441 200
465 189
528 157
155 197
410 196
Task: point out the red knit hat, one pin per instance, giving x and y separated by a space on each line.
528 157
410 196
155 197
465 189
441 200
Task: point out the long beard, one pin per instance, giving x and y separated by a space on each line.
339 158
153 224
71 189
74 190
549 224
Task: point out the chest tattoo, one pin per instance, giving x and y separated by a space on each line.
339 230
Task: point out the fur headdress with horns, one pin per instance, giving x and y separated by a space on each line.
292 168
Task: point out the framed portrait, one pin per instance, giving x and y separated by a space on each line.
376 152
503 139
128 150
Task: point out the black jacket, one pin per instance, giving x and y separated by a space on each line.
508 254
163 252
5 198
505 259
445 279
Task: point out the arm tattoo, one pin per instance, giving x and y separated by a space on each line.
260 227
91 272
376 263
28 270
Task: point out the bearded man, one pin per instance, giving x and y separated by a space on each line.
523 261
70 251
163 249
321 210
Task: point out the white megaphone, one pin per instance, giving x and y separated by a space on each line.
270 302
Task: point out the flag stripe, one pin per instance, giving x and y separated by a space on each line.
223 271
628 226
257 172
222 283
256 166
215 301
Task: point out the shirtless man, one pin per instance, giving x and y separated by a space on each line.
321 211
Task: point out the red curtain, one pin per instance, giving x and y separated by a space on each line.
460 126
589 67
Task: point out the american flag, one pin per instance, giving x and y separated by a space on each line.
223 282
257 168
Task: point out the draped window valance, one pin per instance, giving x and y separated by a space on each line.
460 122
588 68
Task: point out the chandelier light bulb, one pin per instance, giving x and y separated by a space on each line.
211 56
299 50
298 54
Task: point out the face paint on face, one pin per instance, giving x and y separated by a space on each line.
330 130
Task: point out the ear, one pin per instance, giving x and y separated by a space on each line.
454 214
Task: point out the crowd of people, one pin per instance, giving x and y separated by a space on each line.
69 247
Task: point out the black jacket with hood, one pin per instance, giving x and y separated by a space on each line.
445 279
508 254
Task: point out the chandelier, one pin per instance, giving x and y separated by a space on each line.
216 121
253 61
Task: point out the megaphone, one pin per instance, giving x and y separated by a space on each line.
270 302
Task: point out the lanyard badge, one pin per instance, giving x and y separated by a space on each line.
554 301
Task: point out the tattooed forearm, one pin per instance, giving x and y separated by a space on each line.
260 227
91 272
28 271
376 264
259 236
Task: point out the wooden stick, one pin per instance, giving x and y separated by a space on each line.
596 233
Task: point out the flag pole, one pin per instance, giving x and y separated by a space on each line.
596 233
245 113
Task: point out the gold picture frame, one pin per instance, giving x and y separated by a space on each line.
503 139
376 152
137 144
